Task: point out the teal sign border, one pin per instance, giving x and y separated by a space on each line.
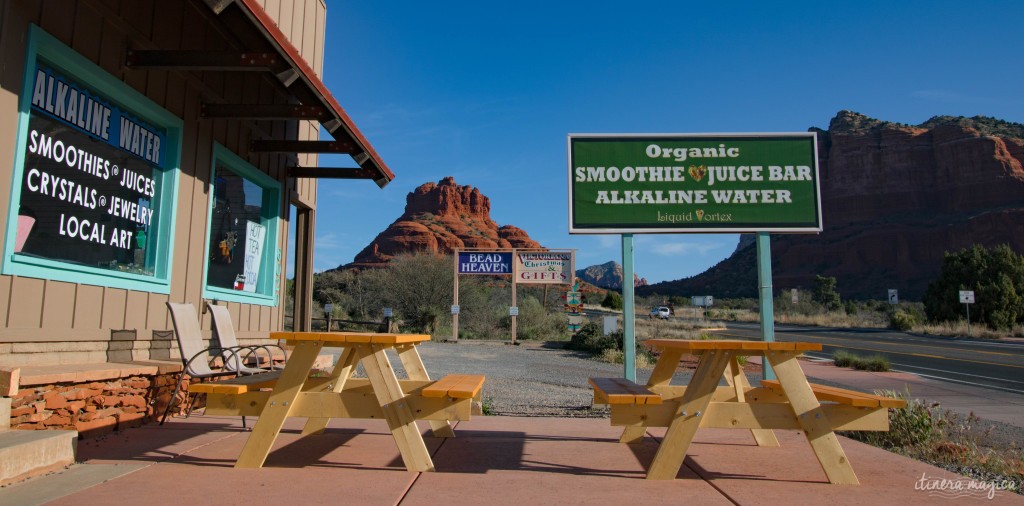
602 202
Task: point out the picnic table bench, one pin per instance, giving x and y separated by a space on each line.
787 403
298 391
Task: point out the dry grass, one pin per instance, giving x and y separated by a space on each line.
959 328
870 320
613 356
653 328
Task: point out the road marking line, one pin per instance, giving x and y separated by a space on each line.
951 380
911 339
903 353
947 372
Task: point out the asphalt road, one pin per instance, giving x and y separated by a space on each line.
991 364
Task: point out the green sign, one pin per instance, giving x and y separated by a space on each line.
693 183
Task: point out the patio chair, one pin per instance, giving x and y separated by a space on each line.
195 359
238 357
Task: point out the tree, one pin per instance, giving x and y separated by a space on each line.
420 289
612 300
825 293
995 275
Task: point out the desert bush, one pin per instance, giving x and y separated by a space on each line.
642 360
590 338
919 425
534 322
612 300
843 358
902 320
874 363
926 432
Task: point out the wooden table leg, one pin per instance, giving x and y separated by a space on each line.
692 407
415 370
812 418
339 375
738 380
396 408
662 374
281 400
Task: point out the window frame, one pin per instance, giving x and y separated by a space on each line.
44 47
267 290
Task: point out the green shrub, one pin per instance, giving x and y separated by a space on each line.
902 320
997 277
918 425
843 358
612 300
876 363
590 338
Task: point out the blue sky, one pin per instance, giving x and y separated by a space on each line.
487 93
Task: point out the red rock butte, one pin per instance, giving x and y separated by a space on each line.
895 198
439 218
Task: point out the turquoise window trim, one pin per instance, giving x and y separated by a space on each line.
266 293
43 46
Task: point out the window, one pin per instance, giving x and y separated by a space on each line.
94 179
242 253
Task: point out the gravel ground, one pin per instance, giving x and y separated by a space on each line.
544 379
532 379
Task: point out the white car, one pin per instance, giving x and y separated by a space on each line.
661 312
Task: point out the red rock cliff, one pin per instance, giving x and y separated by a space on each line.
895 198
439 218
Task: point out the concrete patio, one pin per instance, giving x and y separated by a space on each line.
494 460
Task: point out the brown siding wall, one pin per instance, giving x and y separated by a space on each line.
38 310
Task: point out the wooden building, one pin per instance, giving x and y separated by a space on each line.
156 151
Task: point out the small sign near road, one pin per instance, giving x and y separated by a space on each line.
967 296
702 300
513 311
894 297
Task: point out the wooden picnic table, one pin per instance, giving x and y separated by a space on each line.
381 395
789 403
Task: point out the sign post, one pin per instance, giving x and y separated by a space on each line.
455 299
513 311
695 183
628 310
764 278
967 298
894 297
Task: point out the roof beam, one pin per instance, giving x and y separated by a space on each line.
204 60
332 173
264 111
273 146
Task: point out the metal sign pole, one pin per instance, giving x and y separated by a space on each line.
628 309
514 275
764 278
455 297
968 306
